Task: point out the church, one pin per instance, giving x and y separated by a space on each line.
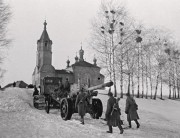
79 73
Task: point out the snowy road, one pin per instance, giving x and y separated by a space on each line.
19 119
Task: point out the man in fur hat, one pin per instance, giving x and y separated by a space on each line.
81 104
113 114
131 110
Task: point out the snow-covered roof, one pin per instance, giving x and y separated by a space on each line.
63 71
84 64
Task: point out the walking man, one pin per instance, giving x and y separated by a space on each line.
131 110
81 104
113 114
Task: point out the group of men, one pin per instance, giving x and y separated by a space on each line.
63 89
113 111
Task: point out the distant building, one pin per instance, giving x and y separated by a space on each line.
21 84
81 72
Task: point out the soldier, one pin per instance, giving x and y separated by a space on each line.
59 92
67 86
131 110
81 104
61 86
39 89
113 114
36 92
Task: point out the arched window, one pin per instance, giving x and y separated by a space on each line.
46 43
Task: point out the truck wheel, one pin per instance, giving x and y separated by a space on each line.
97 108
66 108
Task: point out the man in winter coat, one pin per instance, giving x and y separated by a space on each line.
61 86
131 110
67 86
113 114
81 104
60 90
36 92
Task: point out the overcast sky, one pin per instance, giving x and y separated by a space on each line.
68 24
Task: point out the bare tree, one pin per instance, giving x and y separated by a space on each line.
106 36
132 53
5 15
173 64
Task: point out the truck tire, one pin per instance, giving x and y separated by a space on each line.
66 108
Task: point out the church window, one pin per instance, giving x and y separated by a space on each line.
45 43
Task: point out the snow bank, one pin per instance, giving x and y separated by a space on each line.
18 118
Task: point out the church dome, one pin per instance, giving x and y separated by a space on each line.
68 61
81 50
94 59
81 53
76 58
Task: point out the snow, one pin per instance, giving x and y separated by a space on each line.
19 119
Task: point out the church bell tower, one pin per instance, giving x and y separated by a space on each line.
44 49
43 59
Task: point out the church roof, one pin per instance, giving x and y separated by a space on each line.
63 71
44 36
84 64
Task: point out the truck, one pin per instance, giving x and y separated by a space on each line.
65 101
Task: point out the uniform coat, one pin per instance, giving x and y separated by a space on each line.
131 109
67 86
36 92
81 104
112 116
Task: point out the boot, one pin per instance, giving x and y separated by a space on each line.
110 129
130 124
137 123
82 120
121 129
